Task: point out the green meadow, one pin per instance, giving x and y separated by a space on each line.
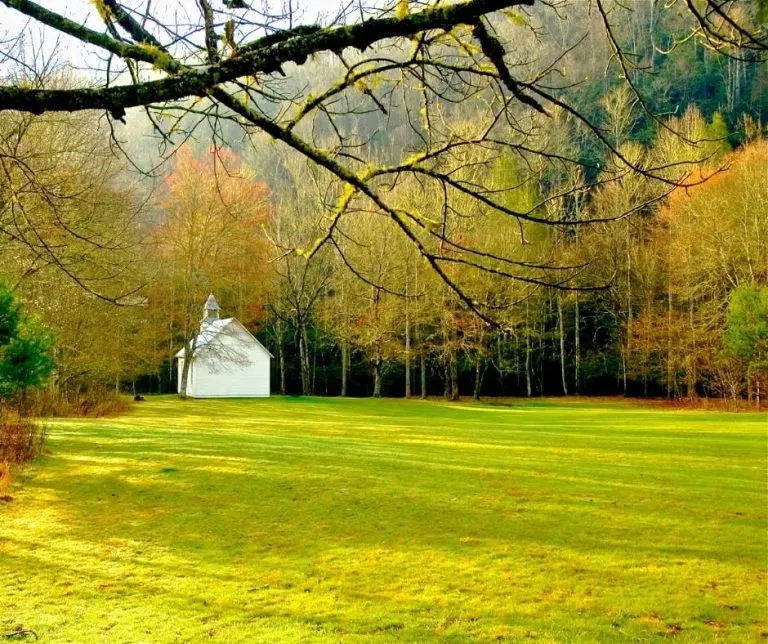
327 520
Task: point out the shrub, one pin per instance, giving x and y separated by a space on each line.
93 403
21 439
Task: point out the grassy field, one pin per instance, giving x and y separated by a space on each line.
327 520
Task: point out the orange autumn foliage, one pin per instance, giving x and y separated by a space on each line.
211 235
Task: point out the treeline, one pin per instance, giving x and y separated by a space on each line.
661 306
663 302
667 301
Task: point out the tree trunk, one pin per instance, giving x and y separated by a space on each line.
624 371
344 342
528 387
377 378
423 377
280 353
344 365
670 387
478 377
304 361
562 343
577 346
515 366
445 368
170 353
407 350
692 375
189 352
628 343
314 369
453 370
541 354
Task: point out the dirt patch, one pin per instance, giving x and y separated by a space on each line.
673 630
20 634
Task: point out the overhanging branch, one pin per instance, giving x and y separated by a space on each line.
257 60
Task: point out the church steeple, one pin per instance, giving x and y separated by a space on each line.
210 310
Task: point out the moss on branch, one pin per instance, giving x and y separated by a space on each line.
255 59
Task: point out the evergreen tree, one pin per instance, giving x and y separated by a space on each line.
25 348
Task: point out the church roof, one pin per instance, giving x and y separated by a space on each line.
211 304
210 330
208 333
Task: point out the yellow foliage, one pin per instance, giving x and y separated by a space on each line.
413 159
162 59
104 11
402 10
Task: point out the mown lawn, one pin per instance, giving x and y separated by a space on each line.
327 520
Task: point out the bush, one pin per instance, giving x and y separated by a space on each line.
21 440
94 403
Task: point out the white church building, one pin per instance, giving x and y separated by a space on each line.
227 360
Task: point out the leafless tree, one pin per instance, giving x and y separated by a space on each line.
219 65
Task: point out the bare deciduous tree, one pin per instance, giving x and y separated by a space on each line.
417 62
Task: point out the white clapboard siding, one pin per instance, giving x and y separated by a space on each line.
228 363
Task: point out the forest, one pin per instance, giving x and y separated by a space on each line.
627 254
